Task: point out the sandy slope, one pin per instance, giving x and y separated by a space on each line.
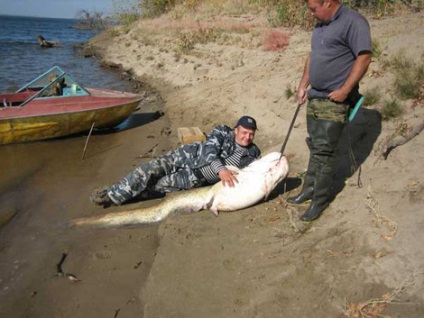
255 263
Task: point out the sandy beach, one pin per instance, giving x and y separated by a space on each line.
258 262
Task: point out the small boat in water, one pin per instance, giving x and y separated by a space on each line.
55 105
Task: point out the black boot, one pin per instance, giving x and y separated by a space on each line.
100 197
308 182
321 196
314 211
326 136
307 190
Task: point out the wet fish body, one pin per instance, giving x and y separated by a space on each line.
256 182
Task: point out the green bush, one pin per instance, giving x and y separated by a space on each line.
407 85
420 73
153 8
391 109
409 75
92 21
113 32
376 49
289 92
287 13
380 8
399 62
290 13
372 96
126 11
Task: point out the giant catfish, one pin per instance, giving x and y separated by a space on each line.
255 182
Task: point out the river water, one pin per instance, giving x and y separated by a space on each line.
21 60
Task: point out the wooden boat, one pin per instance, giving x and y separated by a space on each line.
55 105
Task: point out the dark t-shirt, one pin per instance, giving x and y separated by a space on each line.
335 46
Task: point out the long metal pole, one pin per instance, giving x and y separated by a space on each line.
290 129
86 142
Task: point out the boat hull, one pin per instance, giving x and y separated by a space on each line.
47 126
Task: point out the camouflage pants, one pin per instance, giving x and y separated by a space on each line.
163 174
324 109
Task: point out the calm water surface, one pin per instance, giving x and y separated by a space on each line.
22 59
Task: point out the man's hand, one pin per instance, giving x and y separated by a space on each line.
228 177
358 71
338 95
302 95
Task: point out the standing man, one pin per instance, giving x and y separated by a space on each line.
339 58
189 166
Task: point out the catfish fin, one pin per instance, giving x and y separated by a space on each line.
210 206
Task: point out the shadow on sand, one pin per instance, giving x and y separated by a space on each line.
134 121
358 139
287 185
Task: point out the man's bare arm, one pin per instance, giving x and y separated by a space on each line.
304 83
358 71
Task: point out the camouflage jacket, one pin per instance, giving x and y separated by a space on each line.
219 144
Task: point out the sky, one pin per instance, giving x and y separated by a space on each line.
54 8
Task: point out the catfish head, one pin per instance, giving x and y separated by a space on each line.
274 168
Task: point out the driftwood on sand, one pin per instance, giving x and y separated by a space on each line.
392 144
44 43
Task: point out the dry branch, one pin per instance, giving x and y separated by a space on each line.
373 205
400 141
374 308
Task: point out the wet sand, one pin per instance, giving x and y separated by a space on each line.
44 184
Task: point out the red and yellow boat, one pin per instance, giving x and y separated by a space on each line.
55 105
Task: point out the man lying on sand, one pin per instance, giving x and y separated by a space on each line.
189 166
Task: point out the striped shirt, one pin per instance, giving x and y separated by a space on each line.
210 172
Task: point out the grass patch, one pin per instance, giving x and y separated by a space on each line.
406 84
376 49
289 13
187 40
372 96
126 11
185 43
409 76
391 109
398 61
113 32
145 38
382 8
401 130
420 73
289 92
